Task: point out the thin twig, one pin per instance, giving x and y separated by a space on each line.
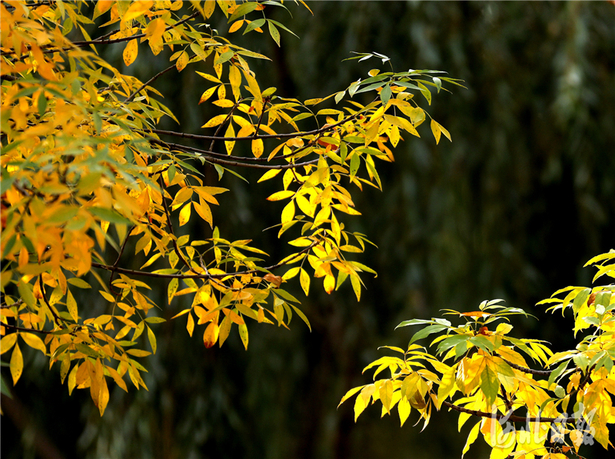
218 158
135 272
8 306
15 327
170 226
117 260
104 41
159 74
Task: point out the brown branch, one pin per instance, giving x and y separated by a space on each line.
218 158
8 306
525 369
15 327
56 317
512 417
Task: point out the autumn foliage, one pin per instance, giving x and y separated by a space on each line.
87 176
89 179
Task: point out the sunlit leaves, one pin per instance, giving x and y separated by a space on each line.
489 377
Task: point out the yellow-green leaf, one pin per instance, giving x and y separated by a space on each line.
16 364
71 305
243 334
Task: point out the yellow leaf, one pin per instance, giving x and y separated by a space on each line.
403 407
34 341
269 174
224 103
155 30
304 279
210 336
288 212
137 9
435 129
16 364
182 196
215 121
329 283
206 95
229 144
182 61
190 324
184 214
359 406
204 211
257 147
208 9
234 76
225 329
130 52
152 340
236 26
221 92
280 195
7 342
71 305
103 394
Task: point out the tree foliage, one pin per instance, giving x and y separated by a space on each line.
478 369
87 175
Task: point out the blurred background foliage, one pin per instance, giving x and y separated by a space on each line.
511 209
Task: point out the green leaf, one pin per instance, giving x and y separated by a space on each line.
108 215
580 299
26 294
489 384
385 94
274 32
254 25
427 331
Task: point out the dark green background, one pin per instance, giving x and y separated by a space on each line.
511 209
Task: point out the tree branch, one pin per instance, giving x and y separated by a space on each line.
218 158
526 370
512 417
159 74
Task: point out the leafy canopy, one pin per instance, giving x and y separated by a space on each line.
88 180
